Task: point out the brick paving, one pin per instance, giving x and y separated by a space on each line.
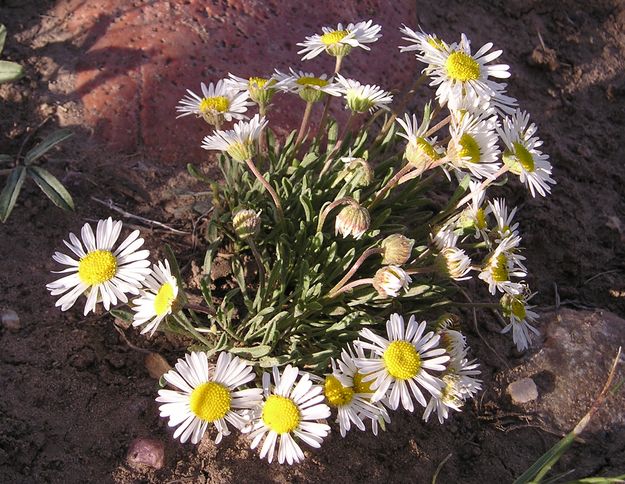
137 58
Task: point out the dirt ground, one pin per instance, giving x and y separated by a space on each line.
74 393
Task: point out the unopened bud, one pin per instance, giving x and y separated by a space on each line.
397 249
352 220
389 280
246 223
261 90
362 173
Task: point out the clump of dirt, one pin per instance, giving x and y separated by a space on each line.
76 392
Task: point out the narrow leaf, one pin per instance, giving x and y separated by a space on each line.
10 71
52 187
10 192
3 37
48 142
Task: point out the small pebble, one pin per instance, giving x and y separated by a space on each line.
523 390
10 320
156 365
146 452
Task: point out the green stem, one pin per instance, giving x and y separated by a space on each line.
325 212
259 263
338 144
367 253
351 285
268 187
390 184
302 129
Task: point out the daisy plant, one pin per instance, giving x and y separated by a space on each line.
351 249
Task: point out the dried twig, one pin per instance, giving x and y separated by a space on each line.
126 214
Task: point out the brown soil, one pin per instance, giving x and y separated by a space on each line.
75 394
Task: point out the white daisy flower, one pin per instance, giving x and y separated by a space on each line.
238 142
259 89
218 102
473 146
399 365
516 309
362 98
418 39
454 342
345 390
505 226
420 151
208 396
474 214
460 385
522 156
444 237
101 272
502 264
455 263
158 301
311 88
339 41
289 410
390 280
462 76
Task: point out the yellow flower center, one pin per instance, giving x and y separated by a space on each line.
402 360
470 148
361 386
97 267
518 309
435 42
215 103
480 219
524 157
281 414
334 37
462 67
449 392
258 81
311 81
500 268
426 147
164 299
210 401
336 394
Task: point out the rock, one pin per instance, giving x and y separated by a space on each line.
146 452
571 366
523 390
10 320
156 365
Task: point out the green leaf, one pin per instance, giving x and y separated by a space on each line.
121 314
175 271
333 134
52 187
539 468
10 71
45 145
195 173
3 37
11 190
251 351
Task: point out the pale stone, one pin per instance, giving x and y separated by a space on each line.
523 390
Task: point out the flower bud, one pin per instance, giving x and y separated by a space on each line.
261 90
454 263
362 173
389 280
420 153
397 249
246 223
352 220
